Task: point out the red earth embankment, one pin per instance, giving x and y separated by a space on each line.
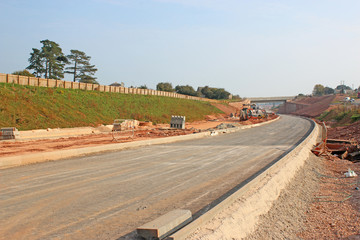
307 107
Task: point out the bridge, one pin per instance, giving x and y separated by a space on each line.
271 99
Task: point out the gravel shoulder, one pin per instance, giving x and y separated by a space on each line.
286 217
315 205
335 210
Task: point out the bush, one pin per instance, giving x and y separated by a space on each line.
355 117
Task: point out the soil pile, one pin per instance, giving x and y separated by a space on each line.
346 132
227 109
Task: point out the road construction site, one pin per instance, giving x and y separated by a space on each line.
107 196
230 182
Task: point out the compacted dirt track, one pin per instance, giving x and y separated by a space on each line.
23 146
107 196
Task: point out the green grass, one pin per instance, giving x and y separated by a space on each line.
324 116
342 115
27 107
355 117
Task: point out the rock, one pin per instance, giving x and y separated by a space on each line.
225 125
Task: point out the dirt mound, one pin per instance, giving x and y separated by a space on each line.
347 132
315 105
211 117
307 100
225 108
239 105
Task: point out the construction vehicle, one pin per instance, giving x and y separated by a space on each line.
244 114
252 112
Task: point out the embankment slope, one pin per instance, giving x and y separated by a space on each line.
26 107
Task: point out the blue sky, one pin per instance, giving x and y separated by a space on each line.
251 48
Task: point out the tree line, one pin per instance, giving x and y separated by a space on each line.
50 62
207 92
320 90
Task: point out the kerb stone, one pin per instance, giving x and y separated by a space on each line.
165 225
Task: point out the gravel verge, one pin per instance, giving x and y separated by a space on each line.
319 203
286 217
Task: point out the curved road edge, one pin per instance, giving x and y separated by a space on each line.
15 161
252 198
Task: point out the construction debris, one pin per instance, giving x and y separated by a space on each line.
337 148
350 173
225 126
348 132
122 125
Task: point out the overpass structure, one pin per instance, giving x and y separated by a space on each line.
270 99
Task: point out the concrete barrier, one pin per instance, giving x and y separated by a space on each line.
240 211
13 161
165 225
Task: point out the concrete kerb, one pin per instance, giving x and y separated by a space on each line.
14 161
254 199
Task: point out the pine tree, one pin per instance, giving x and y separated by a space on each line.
54 59
36 63
81 68
49 61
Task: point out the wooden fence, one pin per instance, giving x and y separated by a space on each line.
45 82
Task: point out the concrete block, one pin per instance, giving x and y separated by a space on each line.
177 122
8 133
165 225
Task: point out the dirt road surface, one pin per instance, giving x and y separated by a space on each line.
107 196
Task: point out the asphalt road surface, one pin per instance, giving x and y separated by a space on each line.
106 196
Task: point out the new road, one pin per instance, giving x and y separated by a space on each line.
106 196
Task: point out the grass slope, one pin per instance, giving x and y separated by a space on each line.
28 107
341 115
